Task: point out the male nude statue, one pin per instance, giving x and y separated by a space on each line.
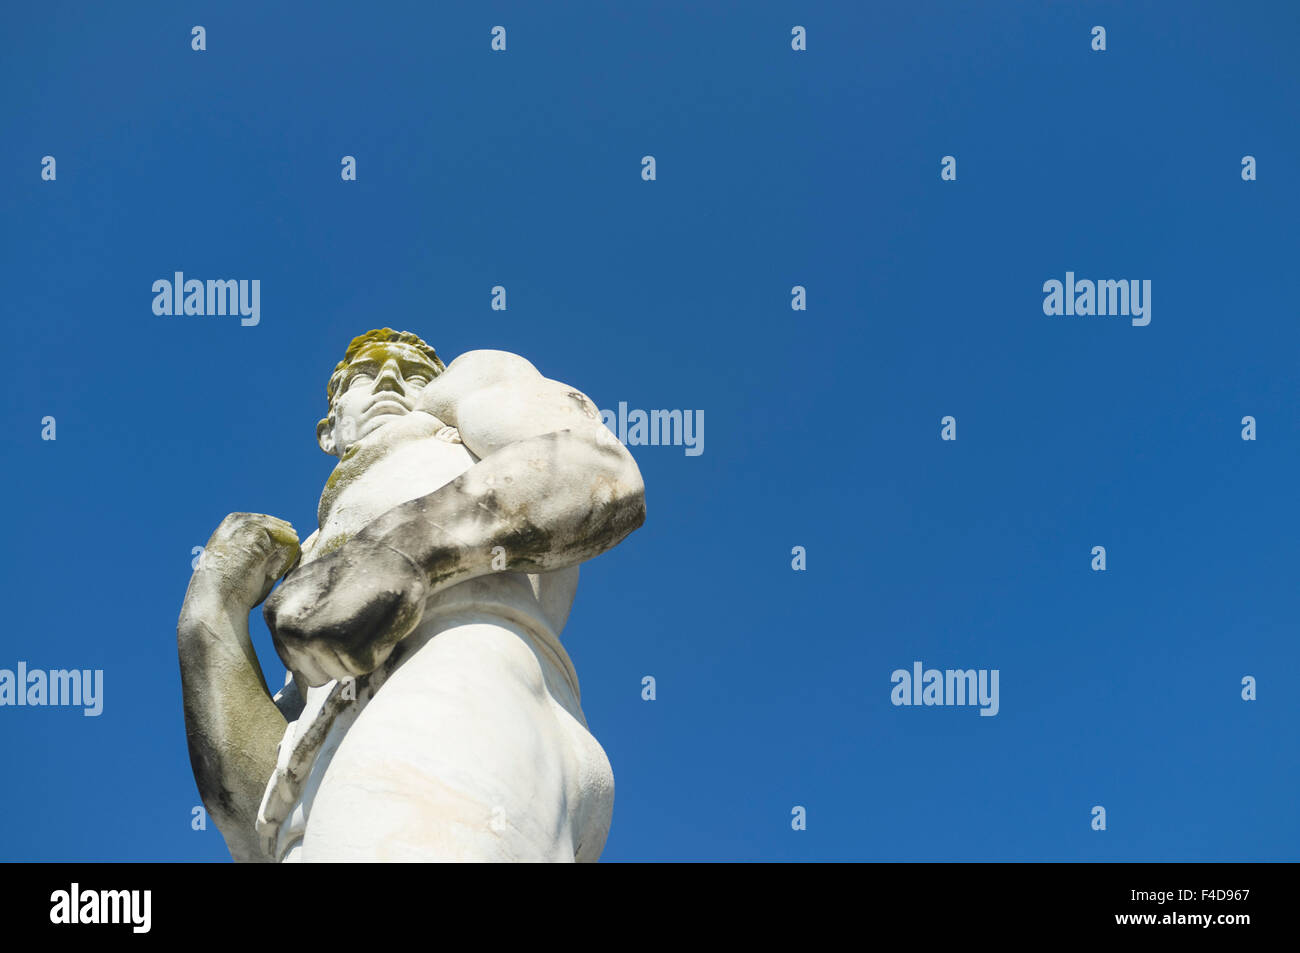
431 712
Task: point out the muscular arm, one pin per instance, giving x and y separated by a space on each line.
232 723
552 489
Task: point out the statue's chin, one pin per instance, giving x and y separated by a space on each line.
386 428
377 421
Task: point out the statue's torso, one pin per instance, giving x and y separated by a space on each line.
404 460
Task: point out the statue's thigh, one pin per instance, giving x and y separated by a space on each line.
459 756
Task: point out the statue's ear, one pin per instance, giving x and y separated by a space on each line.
325 436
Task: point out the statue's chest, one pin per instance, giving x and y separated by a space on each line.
378 477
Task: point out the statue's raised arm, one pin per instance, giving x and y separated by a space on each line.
550 490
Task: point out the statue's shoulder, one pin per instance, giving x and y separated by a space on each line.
486 362
474 370
468 376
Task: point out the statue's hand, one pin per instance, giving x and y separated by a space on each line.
247 553
341 615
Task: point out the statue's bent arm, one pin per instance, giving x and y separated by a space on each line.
232 722
553 489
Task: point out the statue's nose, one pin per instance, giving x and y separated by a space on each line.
389 378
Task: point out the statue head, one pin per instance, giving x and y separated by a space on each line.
381 374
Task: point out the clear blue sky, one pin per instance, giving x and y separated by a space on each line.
775 168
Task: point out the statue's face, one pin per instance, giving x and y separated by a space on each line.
379 385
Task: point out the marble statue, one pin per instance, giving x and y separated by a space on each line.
430 711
